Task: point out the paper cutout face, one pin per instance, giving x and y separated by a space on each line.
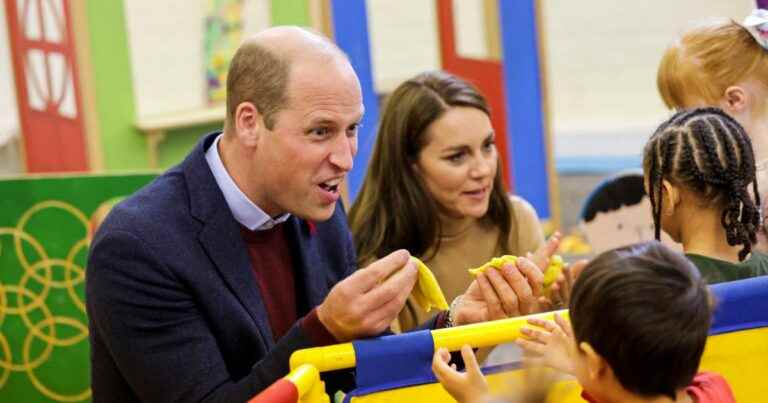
623 226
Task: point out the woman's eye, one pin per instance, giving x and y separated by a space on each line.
455 157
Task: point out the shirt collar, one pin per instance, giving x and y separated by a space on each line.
243 209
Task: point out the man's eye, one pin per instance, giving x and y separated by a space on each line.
320 131
352 130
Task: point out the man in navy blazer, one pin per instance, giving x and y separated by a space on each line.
201 285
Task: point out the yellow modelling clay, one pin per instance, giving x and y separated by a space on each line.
496 263
550 275
553 271
427 292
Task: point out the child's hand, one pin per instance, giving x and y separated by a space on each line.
469 386
553 343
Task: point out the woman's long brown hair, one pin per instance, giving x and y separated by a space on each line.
393 209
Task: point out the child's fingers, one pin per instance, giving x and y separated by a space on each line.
441 369
531 347
535 335
470 361
565 326
543 323
444 354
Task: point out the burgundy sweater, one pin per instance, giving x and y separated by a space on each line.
273 266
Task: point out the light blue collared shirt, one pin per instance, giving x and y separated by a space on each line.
243 209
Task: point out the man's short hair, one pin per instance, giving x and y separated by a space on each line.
646 310
256 74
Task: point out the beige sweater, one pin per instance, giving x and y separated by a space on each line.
470 249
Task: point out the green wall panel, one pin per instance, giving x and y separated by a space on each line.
123 147
45 231
291 12
178 143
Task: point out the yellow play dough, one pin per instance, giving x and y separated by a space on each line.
427 292
550 275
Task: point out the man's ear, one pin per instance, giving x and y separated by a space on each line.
735 100
671 195
597 367
248 124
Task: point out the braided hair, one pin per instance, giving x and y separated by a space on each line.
707 151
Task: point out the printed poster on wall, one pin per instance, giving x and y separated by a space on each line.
222 36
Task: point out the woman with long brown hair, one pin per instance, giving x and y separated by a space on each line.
434 187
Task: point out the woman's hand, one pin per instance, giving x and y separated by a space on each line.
560 292
465 387
511 291
552 342
542 255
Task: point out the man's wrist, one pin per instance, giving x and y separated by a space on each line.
316 330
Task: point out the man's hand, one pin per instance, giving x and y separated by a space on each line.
513 290
466 387
366 303
552 341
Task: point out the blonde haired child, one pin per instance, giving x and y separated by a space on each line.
723 64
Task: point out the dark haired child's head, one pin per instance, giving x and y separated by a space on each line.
698 161
640 317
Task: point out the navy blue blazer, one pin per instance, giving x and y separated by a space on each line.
175 312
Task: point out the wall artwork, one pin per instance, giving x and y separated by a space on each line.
222 35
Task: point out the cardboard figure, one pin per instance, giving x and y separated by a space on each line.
618 213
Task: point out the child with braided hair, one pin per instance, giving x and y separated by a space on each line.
699 170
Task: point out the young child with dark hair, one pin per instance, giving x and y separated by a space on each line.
640 317
700 175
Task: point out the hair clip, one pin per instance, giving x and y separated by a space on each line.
757 25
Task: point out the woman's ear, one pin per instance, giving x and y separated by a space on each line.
671 195
735 100
416 168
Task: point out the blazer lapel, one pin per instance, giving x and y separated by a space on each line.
220 237
307 261
223 242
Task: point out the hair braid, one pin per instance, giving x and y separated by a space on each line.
654 186
707 151
751 207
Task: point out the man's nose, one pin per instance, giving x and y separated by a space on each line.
342 155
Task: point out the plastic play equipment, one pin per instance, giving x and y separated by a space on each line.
397 368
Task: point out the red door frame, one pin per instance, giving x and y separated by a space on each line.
52 142
487 75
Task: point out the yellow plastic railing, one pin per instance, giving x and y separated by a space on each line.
307 380
341 356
